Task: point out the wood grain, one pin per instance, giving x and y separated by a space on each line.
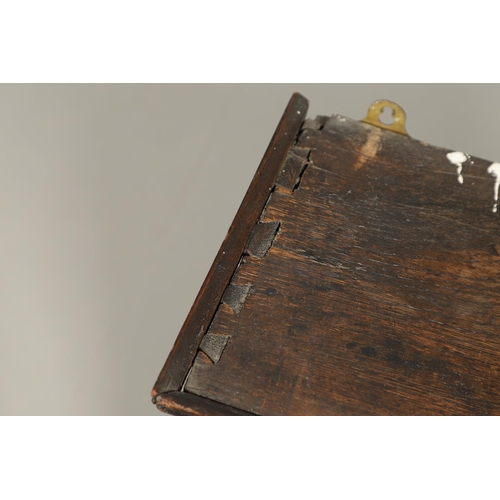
380 294
184 404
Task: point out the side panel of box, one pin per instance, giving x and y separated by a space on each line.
181 358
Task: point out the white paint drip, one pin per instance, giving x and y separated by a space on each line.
457 158
494 170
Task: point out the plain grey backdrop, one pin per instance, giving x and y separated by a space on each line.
114 201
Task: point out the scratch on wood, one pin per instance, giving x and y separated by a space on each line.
262 238
213 346
369 149
235 296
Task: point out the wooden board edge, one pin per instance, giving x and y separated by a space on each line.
182 355
187 404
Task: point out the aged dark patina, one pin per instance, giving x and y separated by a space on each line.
372 284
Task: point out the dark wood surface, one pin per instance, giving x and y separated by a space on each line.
186 405
370 286
202 312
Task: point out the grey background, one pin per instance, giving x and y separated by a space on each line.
114 201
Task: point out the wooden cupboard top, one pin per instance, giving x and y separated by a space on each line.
360 277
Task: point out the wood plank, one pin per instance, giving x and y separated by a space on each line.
184 350
309 342
380 295
185 404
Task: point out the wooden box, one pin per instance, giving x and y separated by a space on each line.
360 276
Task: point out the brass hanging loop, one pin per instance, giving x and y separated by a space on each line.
398 113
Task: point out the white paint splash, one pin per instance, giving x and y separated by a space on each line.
457 158
494 170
